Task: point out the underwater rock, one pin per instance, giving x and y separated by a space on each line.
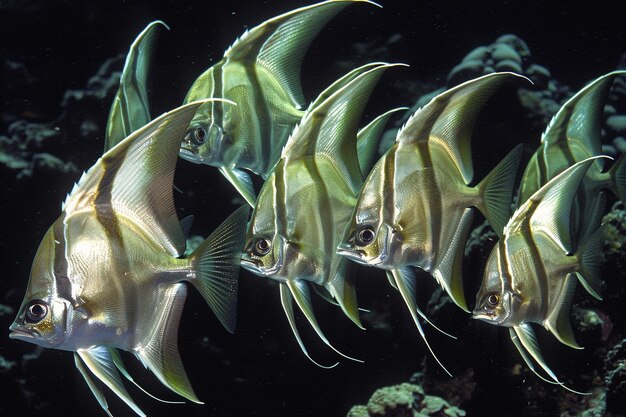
405 400
615 234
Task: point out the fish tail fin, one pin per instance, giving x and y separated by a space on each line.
590 262
496 190
216 262
558 322
618 177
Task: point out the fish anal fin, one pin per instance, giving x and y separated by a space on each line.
157 347
558 321
448 270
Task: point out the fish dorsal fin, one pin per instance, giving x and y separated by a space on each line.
157 345
135 180
369 137
550 207
279 44
242 182
130 109
99 361
558 321
329 129
579 120
448 119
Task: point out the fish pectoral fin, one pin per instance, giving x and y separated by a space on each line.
216 262
157 345
242 182
558 321
342 289
448 271
99 361
405 280
286 300
368 140
130 109
524 339
300 292
496 190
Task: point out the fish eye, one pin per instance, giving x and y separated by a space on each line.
36 311
492 300
198 136
365 236
262 246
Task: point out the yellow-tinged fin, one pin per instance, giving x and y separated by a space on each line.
369 137
618 177
286 299
98 360
157 346
119 364
448 119
135 179
590 260
330 128
279 44
300 292
558 320
525 341
242 182
550 206
405 283
92 386
216 262
130 109
496 190
448 271
341 287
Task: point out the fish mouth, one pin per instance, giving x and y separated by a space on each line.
18 332
484 315
351 253
190 156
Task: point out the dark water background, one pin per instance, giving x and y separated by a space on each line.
260 370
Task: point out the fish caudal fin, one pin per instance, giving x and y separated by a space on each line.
157 348
216 262
618 177
590 261
99 361
496 190
558 321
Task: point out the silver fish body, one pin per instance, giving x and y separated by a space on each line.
308 198
260 73
108 273
531 274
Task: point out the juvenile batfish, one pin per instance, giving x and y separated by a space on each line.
414 208
306 202
130 109
573 135
531 274
261 73
108 273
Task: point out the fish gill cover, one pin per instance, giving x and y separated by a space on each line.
61 63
